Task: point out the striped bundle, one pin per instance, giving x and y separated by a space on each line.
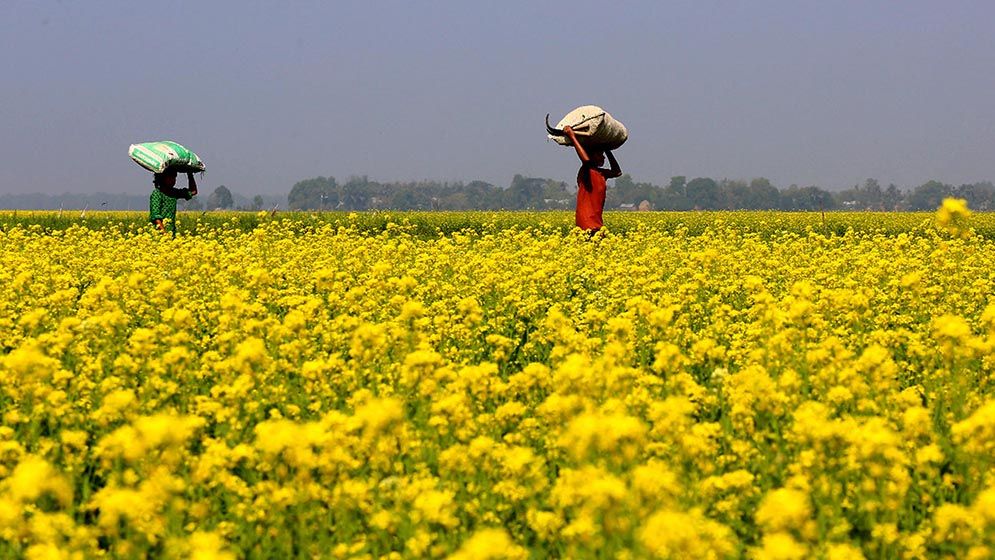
159 156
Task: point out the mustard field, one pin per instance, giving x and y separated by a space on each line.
471 386
433 224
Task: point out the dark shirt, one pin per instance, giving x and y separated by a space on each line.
174 192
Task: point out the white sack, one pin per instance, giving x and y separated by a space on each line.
594 127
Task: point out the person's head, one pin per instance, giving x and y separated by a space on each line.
597 156
165 179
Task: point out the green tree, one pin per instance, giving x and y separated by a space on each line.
870 196
807 198
484 196
703 193
674 195
627 191
873 195
553 192
762 195
220 198
678 185
893 197
979 196
356 194
928 196
319 193
410 199
525 192
732 194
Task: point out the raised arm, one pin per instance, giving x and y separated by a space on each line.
173 192
615 170
581 152
191 185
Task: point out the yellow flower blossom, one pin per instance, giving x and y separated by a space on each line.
34 477
784 509
952 217
780 546
489 544
676 534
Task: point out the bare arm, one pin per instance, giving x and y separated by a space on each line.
615 170
172 192
581 152
191 185
186 194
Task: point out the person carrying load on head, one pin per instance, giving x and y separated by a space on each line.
162 202
593 134
165 159
592 186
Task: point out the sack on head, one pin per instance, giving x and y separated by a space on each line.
593 126
160 156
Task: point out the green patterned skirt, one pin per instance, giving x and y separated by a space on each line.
162 207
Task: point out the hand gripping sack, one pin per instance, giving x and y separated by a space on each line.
593 126
160 156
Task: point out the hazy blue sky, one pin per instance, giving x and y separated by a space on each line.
825 93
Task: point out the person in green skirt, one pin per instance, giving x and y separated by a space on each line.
162 202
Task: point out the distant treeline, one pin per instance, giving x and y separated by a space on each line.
701 193
220 197
536 193
705 193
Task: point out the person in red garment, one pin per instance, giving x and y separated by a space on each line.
591 185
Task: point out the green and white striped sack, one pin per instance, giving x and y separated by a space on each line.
160 156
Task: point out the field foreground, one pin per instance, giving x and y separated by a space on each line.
740 388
